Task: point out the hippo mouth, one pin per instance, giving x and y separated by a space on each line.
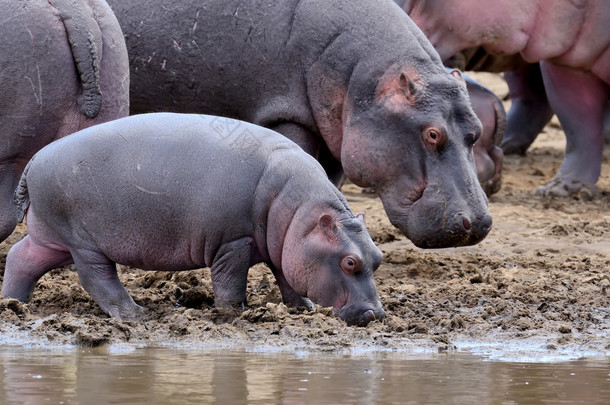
358 313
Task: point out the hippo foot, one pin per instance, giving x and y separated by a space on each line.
515 146
562 188
129 312
492 186
301 302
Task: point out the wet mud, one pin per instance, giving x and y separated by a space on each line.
540 281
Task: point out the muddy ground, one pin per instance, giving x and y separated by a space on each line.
539 283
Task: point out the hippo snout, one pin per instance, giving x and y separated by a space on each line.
462 228
355 315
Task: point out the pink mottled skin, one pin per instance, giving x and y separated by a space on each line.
570 39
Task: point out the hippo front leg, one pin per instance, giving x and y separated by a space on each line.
98 276
289 296
579 99
529 111
9 177
230 272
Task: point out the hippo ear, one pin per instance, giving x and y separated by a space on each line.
361 218
397 92
407 86
328 226
458 75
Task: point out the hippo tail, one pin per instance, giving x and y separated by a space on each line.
21 198
85 38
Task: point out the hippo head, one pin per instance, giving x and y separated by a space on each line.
412 140
331 261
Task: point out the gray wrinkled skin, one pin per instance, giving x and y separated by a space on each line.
352 82
178 192
63 67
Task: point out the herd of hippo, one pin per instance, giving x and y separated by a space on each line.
298 96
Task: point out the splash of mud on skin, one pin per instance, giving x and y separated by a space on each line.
536 288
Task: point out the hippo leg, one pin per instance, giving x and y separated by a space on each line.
27 261
579 99
9 178
230 272
98 276
299 135
289 296
607 124
530 110
333 167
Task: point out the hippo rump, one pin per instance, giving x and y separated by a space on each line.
570 39
63 67
354 80
226 195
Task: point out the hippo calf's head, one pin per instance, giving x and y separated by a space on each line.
412 141
332 262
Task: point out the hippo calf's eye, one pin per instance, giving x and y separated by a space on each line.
349 265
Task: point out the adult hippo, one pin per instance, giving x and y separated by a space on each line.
354 78
63 67
570 39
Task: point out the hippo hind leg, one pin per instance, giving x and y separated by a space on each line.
579 99
27 261
98 276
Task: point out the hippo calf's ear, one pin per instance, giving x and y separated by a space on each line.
361 218
328 226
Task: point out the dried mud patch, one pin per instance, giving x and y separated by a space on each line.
539 281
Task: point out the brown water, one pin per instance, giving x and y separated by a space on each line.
171 376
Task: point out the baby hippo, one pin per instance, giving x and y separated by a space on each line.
184 191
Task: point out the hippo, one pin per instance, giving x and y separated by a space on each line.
488 156
169 191
529 110
63 67
353 80
569 39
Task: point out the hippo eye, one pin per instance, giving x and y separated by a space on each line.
434 139
348 264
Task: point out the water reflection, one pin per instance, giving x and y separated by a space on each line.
165 376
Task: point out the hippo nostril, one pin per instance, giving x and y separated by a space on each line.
466 222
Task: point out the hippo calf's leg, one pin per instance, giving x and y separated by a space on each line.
289 296
579 99
530 110
27 261
230 272
98 276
